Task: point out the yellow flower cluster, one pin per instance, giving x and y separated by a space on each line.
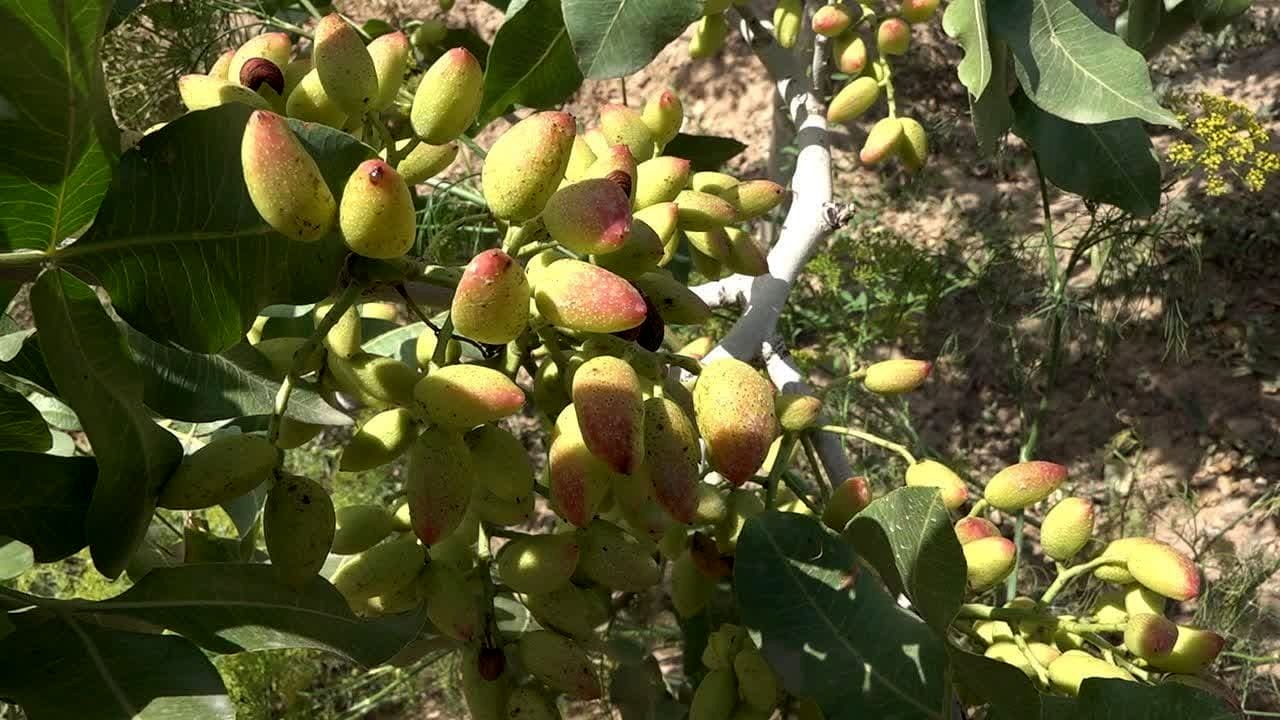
1225 140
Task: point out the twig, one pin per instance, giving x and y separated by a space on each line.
871 438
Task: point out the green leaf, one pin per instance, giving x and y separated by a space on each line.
91 366
235 607
531 62
21 427
58 140
244 510
1122 168
16 557
908 536
966 22
20 358
120 11
180 247
829 628
614 38
704 152
195 387
113 674
1106 699
1009 692
400 343
1072 68
1138 23
47 515
991 112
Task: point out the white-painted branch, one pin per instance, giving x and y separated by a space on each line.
810 219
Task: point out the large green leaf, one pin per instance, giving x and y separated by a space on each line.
614 38
991 112
21 427
1122 168
58 140
69 669
1072 68
43 501
179 245
907 535
531 62
91 365
400 343
830 629
704 152
234 607
966 22
20 358
1106 699
195 387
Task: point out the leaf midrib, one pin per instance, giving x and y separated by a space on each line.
838 634
163 239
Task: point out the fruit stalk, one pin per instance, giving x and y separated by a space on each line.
1072 573
873 439
345 300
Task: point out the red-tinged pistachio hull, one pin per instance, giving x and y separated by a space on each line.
1067 528
989 560
491 302
831 20
1193 651
259 72
1164 570
893 36
918 11
975 528
753 198
1024 484
847 499
390 54
273 46
376 214
448 98
734 406
931 473
1120 549
663 114
221 67
853 100
1150 636
615 163
660 180
579 480
439 483
675 302
345 68
622 125
589 216
671 457
461 397
882 141
283 181
525 165
700 211
640 252
850 53
610 406
578 296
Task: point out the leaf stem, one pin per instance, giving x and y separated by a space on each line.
811 454
785 449
871 438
